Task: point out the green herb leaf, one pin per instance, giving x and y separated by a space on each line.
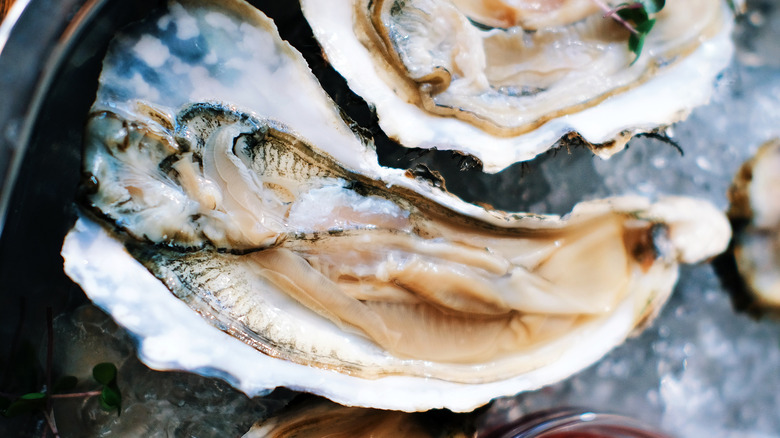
646 27
635 15
652 6
104 373
65 383
635 43
26 403
110 396
637 40
111 399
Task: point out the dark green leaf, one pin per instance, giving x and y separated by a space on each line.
65 383
104 373
635 44
637 40
111 398
652 6
646 27
634 15
26 403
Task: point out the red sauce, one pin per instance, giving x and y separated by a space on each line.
573 424
576 434
600 432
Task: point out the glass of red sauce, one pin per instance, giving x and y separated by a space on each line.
575 423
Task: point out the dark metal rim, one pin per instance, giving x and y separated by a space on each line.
45 35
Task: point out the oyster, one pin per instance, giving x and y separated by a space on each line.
438 79
225 175
320 418
756 213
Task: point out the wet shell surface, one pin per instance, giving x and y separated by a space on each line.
238 227
505 81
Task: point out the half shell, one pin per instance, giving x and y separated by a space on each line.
756 213
506 82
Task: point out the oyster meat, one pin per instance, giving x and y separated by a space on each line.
318 418
756 214
229 187
504 81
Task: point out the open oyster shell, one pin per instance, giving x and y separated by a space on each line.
439 79
756 213
262 212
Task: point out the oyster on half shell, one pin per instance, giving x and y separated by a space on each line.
505 81
756 213
228 184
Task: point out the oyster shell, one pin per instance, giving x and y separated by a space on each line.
262 211
438 79
755 211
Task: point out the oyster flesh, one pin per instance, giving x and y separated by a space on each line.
756 214
260 210
318 418
504 81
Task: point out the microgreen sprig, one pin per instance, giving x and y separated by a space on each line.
41 401
110 397
637 17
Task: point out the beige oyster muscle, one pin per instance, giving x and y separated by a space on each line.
756 212
319 418
233 196
504 81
